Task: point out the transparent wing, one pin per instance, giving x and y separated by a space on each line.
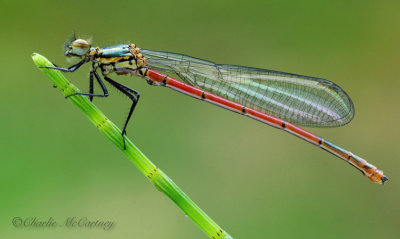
302 100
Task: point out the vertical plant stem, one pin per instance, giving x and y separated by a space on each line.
160 180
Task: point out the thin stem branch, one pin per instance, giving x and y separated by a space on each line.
160 180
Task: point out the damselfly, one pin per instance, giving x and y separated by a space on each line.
275 98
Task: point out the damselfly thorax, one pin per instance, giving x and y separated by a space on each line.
125 60
275 98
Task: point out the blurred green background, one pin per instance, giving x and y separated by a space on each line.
253 180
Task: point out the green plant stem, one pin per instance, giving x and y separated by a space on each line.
160 180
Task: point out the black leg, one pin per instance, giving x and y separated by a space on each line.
69 69
132 94
103 87
91 89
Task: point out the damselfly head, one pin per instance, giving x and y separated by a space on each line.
78 47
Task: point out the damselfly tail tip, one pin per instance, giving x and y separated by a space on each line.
378 177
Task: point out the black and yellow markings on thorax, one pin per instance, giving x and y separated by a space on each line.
124 59
110 60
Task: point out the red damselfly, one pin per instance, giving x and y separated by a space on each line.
275 98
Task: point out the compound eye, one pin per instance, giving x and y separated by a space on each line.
80 47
